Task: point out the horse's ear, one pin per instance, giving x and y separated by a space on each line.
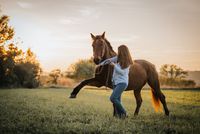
92 36
103 35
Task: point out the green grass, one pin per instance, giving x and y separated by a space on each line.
51 111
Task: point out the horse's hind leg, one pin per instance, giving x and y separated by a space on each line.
162 99
138 98
155 85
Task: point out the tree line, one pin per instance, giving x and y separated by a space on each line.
170 75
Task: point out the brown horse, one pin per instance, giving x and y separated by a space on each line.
141 72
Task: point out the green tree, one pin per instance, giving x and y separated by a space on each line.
172 75
6 31
172 71
17 68
55 74
7 53
82 69
28 70
7 64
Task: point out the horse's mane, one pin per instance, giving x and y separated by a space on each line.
110 47
110 50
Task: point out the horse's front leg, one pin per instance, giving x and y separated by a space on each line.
81 85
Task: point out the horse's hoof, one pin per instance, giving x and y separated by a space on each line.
72 96
167 113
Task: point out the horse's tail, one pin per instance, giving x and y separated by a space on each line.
153 82
155 101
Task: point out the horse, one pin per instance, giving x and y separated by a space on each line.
140 73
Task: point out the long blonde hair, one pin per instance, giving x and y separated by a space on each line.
124 56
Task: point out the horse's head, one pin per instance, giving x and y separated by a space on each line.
99 47
102 48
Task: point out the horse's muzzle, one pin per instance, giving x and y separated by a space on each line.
97 60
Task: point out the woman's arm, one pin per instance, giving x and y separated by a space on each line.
119 70
107 61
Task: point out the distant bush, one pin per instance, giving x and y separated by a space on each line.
62 81
82 69
27 75
174 76
177 82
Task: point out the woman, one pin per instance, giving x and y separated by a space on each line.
120 77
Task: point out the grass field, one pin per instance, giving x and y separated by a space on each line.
51 111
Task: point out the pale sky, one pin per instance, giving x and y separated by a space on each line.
58 31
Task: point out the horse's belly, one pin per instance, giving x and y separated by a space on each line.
137 78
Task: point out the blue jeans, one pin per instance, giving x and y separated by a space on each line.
115 98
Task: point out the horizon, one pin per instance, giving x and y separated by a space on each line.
58 33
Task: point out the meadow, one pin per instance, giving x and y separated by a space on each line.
50 111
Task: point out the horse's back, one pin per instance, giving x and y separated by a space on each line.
138 74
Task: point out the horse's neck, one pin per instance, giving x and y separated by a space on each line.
109 53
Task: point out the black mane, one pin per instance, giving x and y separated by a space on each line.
109 45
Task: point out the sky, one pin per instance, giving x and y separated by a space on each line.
58 31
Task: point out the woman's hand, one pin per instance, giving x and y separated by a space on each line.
97 66
112 64
108 61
